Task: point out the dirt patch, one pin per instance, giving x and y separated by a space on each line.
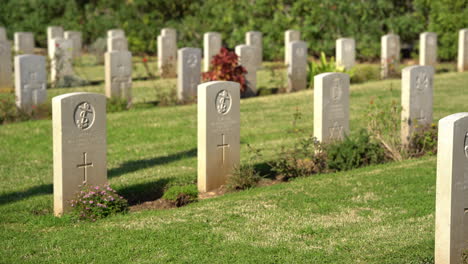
159 204
217 192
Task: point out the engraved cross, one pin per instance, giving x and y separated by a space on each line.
34 87
223 146
85 166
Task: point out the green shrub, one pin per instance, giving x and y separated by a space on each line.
322 66
423 141
95 202
116 104
181 195
363 73
243 177
10 113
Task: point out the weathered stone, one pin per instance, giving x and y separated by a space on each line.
416 99
79 137
170 32
188 73
211 47
5 66
345 52
297 67
255 39
119 74
246 55
117 44
24 43
289 36
167 56
428 49
30 81
53 32
115 33
462 64
3 36
61 60
218 133
331 106
451 227
390 55
76 38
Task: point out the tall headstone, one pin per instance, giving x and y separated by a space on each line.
345 52
52 33
115 33
76 38
5 65
117 44
3 35
167 55
451 227
24 43
462 64
297 67
255 39
61 60
246 59
211 47
119 74
188 73
79 144
289 36
30 81
331 106
416 99
218 133
428 49
171 33
390 55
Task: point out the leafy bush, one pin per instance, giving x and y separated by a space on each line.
181 195
95 202
10 113
363 73
354 152
116 104
245 176
323 66
423 141
224 67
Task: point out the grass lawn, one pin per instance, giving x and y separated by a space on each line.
379 214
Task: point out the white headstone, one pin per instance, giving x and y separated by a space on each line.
416 99
115 33
188 73
79 137
218 133
24 43
3 35
170 32
167 56
290 35
331 106
451 227
119 74
463 50
246 55
211 47
53 32
345 52
30 81
390 55
5 65
255 39
428 49
117 44
61 61
297 67
76 38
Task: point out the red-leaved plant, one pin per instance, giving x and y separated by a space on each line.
224 67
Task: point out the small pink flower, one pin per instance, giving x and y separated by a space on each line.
91 202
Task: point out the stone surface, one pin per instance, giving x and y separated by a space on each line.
428 49
61 60
451 227
6 75
24 43
53 32
117 44
331 106
345 52
188 73
297 67
3 35
255 39
167 56
115 33
171 33
462 64
212 44
77 39
30 81
118 74
218 133
416 99
390 53
246 55
79 144
289 36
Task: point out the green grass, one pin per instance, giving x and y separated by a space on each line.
379 214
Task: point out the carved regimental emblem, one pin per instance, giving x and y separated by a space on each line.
192 60
336 91
223 102
300 52
84 115
422 81
465 148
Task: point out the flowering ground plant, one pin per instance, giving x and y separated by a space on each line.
95 202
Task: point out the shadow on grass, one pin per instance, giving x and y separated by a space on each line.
134 165
20 195
144 192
